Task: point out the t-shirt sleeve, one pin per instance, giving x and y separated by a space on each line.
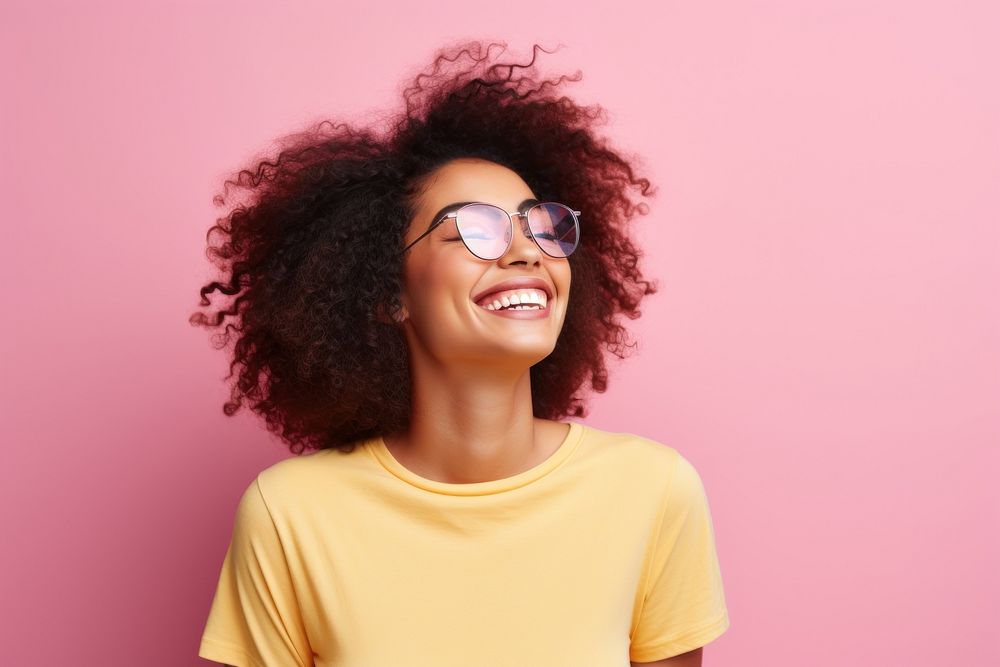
684 606
254 620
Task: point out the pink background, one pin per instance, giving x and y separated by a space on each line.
824 347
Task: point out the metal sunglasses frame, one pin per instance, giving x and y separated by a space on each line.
522 214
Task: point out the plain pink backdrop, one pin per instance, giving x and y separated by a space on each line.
824 347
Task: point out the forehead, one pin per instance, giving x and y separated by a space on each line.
474 180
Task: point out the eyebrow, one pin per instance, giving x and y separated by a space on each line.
454 206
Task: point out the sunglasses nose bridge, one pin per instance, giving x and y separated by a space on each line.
524 225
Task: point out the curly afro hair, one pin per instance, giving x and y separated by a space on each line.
312 251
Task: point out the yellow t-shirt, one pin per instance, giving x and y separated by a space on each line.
601 554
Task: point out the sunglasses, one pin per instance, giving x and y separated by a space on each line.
487 230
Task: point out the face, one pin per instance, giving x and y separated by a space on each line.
442 276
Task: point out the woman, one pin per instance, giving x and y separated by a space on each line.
422 305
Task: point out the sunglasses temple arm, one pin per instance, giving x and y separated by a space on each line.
429 230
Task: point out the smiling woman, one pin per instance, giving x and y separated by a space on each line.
422 307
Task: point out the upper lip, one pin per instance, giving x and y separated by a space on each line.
516 283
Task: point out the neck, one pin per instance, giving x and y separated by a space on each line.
472 425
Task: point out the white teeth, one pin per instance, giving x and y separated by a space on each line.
518 300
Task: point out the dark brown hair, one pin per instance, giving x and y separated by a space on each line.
311 250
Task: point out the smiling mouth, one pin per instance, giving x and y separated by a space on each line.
511 301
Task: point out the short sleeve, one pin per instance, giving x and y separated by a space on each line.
254 620
684 606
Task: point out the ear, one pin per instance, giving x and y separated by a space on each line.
400 314
393 313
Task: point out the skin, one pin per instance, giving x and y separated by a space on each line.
472 418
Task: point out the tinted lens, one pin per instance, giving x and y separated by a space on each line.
485 229
555 228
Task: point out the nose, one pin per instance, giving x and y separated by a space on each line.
520 247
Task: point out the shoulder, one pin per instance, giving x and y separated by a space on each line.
307 479
655 464
633 449
294 468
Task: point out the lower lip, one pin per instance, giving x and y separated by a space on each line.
527 314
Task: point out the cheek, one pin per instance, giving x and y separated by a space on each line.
562 277
441 282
